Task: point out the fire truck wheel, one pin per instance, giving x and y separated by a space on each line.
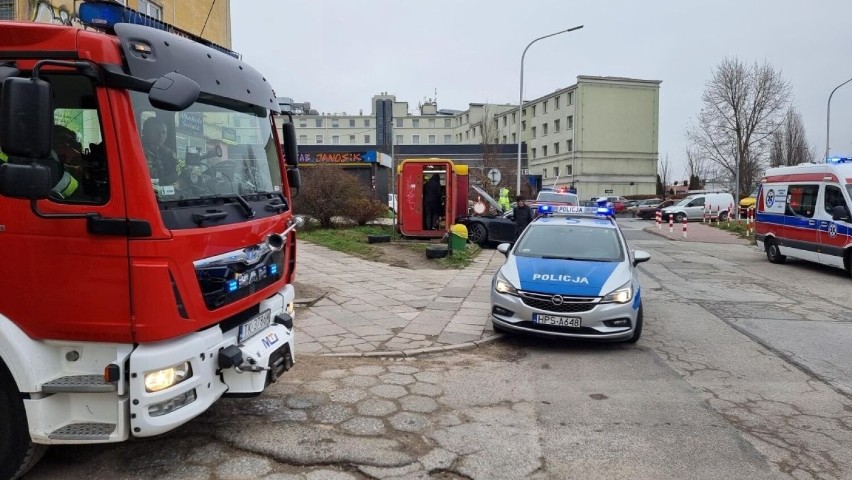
436 251
17 451
772 252
378 238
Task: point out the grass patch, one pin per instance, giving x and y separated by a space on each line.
351 240
461 258
735 227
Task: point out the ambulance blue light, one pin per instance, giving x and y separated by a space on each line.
232 286
839 160
273 269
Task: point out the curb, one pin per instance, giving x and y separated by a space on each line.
654 230
414 351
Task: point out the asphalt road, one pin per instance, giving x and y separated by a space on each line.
742 372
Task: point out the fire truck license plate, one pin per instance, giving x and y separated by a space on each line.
254 326
557 320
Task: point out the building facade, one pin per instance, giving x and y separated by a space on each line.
208 19
599 135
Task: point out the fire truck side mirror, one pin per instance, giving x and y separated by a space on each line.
291 148
294 178
26 118
30 181
173 92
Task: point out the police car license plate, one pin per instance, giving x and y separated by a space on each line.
557 320
254 326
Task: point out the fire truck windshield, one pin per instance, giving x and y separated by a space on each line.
213 148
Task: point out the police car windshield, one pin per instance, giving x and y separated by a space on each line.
555 197
570 242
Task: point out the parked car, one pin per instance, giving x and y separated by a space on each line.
648 212
648 202
748 202
492 226
618 203
719 205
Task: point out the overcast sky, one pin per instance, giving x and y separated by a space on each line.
336 54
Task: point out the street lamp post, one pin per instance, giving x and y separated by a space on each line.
828 118
521 99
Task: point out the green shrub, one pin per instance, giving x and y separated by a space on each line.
365 209
327 191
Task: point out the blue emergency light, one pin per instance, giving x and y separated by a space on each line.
104 15
838 160
273 269
232 286
545 210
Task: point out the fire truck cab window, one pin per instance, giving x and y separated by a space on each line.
77 142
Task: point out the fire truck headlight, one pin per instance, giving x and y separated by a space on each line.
162 379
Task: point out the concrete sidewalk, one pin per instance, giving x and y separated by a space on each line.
371 309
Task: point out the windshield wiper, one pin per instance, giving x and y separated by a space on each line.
247 210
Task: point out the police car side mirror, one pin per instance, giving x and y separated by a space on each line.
840 213
504 248
640 256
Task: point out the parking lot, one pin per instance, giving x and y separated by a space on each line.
742 372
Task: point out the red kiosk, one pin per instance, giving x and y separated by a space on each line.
412 174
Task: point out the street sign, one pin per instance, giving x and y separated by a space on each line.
525 171
494 176
607 191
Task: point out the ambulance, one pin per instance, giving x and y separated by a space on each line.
803 212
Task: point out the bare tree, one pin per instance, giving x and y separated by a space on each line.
696 166
789 144
743 106
664 169
491 158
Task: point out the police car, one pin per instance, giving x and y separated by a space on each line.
572 276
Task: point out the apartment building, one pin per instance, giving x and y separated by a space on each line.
599 135
209 19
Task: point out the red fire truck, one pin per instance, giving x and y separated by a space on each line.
146 227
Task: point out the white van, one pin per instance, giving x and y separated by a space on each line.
719 205
803 212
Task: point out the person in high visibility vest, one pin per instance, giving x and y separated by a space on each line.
504 199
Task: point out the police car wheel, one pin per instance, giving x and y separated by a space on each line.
17 451
637 331
773 254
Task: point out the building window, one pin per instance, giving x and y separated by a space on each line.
303 124
504 121
570 98
448 123
514 138
431 122
399 140
556 148
319 123
544 173
318 139
514 117
544 107
467 134
151 9
303 139
467 118
544 129
569 170
367 138
570 122
556 126
533 132
533 110
415 123
352 137
448 139
544 151
398 123
556 172
415 139
433 139
524 125
570 145
367 122
524 114
335 123
533 153
556 101
335 139
351 122
504 138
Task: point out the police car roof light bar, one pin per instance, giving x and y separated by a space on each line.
836 160
105 14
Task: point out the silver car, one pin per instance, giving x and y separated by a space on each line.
570 277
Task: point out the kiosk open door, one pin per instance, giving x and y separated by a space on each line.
431 194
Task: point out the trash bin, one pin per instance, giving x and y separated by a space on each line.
458 237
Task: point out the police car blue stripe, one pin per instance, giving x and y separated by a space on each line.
563 277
